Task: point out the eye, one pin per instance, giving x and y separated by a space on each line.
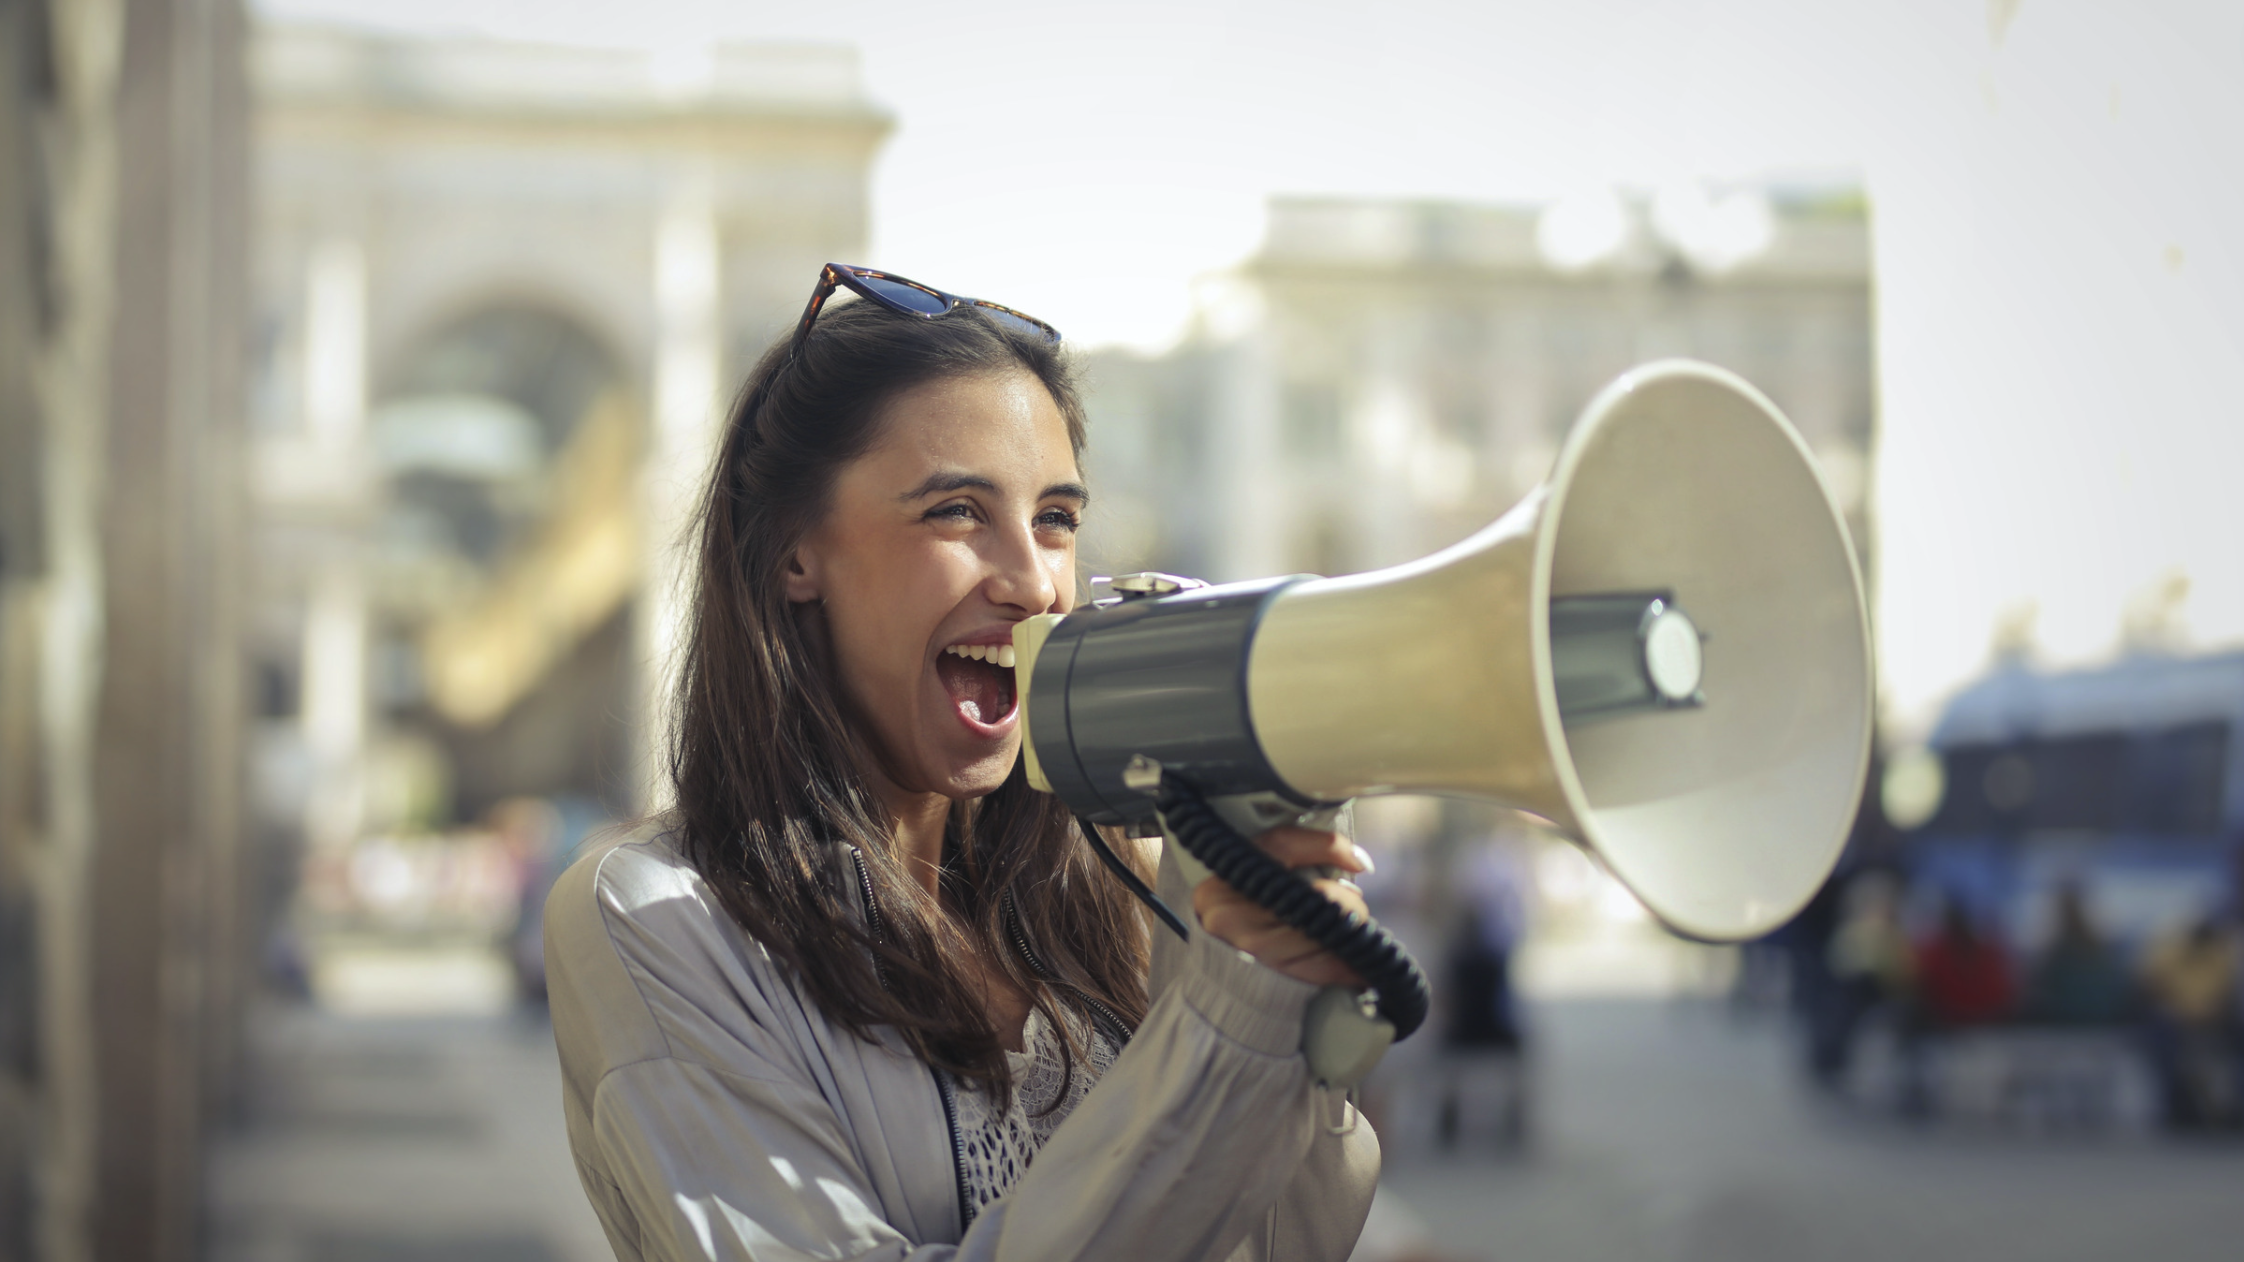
960 511
1059 519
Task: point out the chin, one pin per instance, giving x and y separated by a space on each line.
981 777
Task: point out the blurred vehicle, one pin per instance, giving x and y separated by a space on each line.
2119 780
2085 818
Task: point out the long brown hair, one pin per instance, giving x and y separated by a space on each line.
770 775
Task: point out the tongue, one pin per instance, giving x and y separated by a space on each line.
981 691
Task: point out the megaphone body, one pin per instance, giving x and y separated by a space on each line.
1663 652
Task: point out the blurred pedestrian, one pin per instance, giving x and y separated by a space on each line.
2079 978
1964 975
1481 1012
1870 966
2189 984
1963 978
1480 1039
539 837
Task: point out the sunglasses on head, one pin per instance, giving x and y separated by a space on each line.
905 297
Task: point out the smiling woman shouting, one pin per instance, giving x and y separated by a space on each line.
862 993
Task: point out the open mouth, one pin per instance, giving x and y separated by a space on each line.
979 678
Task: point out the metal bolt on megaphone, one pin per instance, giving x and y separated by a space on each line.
1663 651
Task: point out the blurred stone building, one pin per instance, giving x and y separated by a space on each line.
352 394
123 961
501 292
1383 378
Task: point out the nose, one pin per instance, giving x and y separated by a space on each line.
1020 574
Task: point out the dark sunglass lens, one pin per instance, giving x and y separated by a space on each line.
1029 328
905 296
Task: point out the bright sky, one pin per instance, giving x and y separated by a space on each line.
2057 190
1086 161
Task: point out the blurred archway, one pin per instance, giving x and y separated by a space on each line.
506 552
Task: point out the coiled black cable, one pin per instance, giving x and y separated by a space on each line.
1357 941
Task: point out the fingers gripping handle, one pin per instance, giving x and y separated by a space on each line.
1345 1031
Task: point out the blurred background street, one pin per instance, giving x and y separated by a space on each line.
1664 1130
1677 1131
359 363
375 1139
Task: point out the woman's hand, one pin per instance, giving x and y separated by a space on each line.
1233 917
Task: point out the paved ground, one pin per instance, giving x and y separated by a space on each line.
394 1140
1672 1132
1662 1132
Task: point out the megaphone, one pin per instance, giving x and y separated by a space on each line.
1663 652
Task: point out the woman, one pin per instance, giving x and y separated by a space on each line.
840 998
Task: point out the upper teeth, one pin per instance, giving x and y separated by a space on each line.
1000 655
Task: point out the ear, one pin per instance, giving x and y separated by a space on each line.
803 579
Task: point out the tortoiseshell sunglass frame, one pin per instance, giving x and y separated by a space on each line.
853 278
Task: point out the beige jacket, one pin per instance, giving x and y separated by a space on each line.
714 1113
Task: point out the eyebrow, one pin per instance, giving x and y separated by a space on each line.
946 483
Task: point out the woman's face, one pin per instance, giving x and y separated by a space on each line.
959 523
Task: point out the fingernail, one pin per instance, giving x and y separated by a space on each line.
1363 858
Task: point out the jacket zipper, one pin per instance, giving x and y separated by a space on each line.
1117 1030
942 1084
958 1148
872 912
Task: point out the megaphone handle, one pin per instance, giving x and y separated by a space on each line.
1342 1033
1358 941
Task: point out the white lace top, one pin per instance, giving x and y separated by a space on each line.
1000 1145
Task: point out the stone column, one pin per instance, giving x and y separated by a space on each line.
119 691
332 712
28 326
686 420
53 590
167 762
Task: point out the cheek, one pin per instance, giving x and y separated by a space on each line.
872 633
887 609
1062 566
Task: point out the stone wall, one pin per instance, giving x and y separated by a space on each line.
122 208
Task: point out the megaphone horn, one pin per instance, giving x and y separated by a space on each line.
1663 651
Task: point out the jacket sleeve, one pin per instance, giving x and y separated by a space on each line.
1204 1138
697 1162
1321 1210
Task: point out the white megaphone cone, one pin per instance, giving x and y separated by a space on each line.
1680 481
1663 651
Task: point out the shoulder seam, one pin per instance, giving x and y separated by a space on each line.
717 1070
632 972
607 930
